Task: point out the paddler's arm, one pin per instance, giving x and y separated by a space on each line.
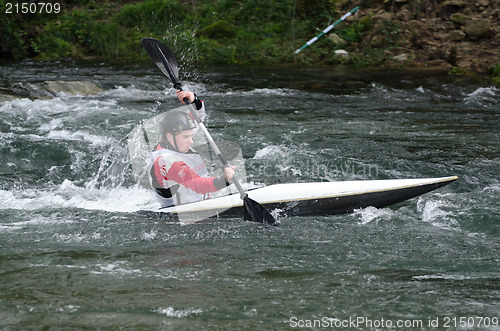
200 105
182 174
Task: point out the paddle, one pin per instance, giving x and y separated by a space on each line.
166 62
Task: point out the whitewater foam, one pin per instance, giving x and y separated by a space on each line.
80 136
69 195
434 211
373 214
484 96
171 312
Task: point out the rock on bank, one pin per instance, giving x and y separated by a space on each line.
452 33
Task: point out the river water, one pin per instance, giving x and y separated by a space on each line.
81 248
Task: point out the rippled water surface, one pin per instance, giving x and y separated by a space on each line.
81 247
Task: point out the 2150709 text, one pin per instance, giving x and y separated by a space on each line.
32 8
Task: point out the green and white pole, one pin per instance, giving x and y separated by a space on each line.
325 31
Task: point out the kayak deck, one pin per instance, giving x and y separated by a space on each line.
322 198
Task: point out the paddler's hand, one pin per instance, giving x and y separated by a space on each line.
229 173
185 94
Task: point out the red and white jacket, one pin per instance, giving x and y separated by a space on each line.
179 178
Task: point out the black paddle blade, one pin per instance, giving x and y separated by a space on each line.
162 57
255 212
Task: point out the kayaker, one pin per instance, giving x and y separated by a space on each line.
179 174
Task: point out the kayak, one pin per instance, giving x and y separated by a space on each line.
301 199
291 199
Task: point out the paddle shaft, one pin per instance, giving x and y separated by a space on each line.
211 142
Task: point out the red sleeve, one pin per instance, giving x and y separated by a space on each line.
181 173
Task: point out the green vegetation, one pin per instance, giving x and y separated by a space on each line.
495 77
215 31
458 71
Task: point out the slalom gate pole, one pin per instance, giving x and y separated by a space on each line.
327 29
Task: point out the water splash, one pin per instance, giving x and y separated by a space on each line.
435 210
373 214
171 312
484 97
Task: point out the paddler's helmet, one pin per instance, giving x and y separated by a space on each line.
176 121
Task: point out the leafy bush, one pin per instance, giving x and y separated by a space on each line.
53 47
12 40
459 71
219 29
496 74
354 31
151 16
106 40
216 52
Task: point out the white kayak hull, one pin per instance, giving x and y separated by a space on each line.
322 198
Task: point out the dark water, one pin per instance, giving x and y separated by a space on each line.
81 248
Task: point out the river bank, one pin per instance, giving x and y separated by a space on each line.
449 34
462 37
